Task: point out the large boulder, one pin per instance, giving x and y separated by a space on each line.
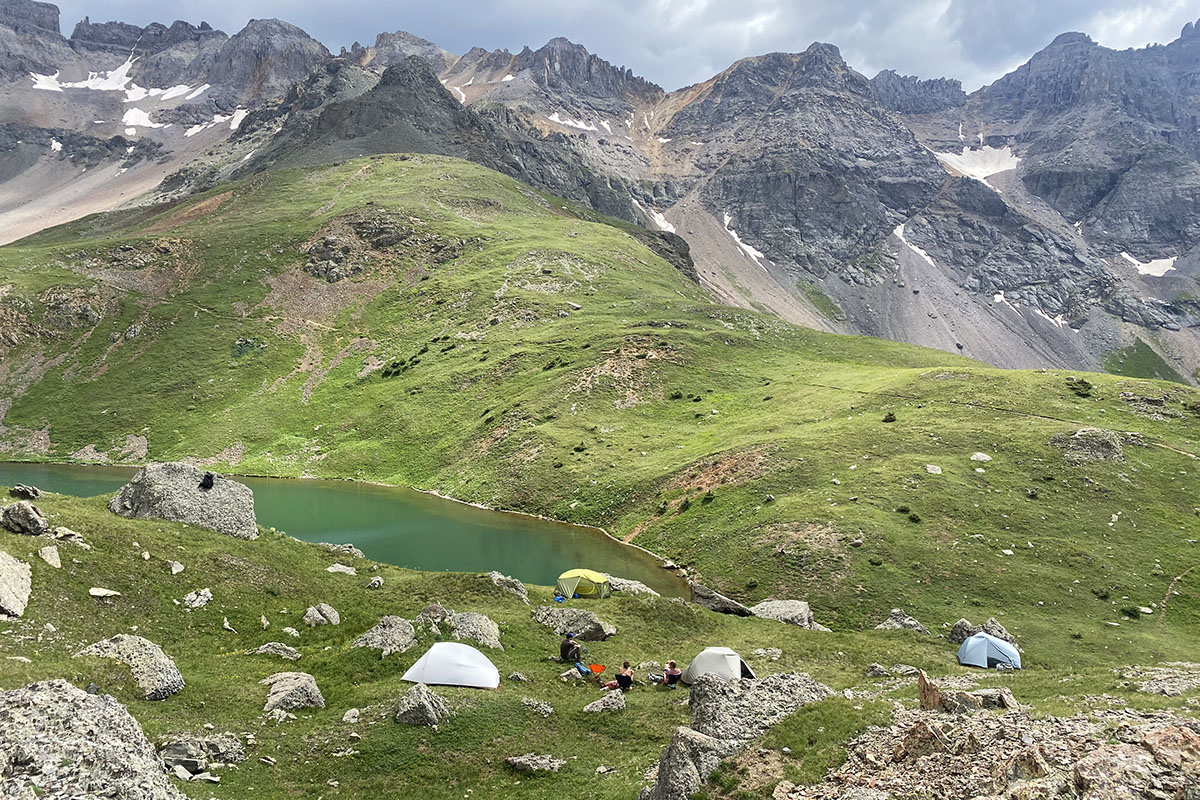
509 585
611 701
744 709
421 706
963 630
686 764
715 601
322 614
899 621
584 624
629 586
1091 444
25 518
391 635
152 670
793 612
183 493
476 627
57 740
15 585
291 691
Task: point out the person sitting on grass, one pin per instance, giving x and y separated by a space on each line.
671 675
625 677
571 651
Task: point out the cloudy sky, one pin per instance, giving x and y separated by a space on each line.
678 42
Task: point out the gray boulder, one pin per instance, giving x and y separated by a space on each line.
24 492
342 549
291 691
715 601
176 492
25 518
53 734
476 627
630 586
1091 444
611 701
584 624
391 635
793 612
152 670
899 621
276 649
509 585
194 753
533 762
198 598
963 630
742 710
375 583
686 764
322 614
421 706
15 585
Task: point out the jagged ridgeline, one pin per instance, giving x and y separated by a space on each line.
424 321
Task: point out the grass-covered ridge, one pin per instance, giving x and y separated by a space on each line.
506 348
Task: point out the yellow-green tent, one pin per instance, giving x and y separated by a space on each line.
584 582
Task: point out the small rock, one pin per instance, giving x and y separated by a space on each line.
981 457
225 625
933 469
532 762
175 566
375 583
611 701
276 649
519 677
537 706
290 631
15 585
898 620
291 691
878 671
99 591
341 569
391 634
49 554
263 621
769 653
422 706
180 772
351 716
198 598
145 555
322 614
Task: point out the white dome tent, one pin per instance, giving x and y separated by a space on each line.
719 661
454 664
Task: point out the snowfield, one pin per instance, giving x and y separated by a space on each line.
980 163
899 232
1158 267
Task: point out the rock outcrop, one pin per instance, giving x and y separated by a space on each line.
899 621
479 628
611 701
793 612
391 634
510 585
321 614
56 736
25 518
276 649
15 585
194 753
534 762
152 670
630 586
291 691
183 493
963 630
422 706
583 623
686 764
715 601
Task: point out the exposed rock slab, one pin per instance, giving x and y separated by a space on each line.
715 601
611 701
322 614
15 585
276 649
422 706
49 554
195 753
686 764
391 634
793 612
152 670
510 585
177 492
744 709
899 621
630 586
533 762
583 623
53 734
291 691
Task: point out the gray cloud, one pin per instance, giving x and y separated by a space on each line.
678 42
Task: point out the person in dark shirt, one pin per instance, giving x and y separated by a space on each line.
570 650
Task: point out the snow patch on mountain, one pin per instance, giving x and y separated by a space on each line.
571 123
999 297
507 78
980 163
1156 267
136 117
899 232
756 255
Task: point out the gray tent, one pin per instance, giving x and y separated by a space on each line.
719 661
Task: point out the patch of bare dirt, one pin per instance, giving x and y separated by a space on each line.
727 469
317 376
135 449
630 372
190 214
812 535
300 299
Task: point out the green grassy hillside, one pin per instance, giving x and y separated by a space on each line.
503 347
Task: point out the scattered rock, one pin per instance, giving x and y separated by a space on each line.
768 653
23 492
175 566
744 709
630 586
539 707
519 677
611 701
714 601
15 585
193 754
391 635
263 621
1090 444
68 535
351 716
322 614
226 626
152 670
532 762
933 469
53 734
421 706
25 518
197 599
176 492
291 691
1171 679
375 583
963 630
980 457
875 670
793 612
342 549
899 621
276 649
290 631
341 569
100 591
510 585
584 624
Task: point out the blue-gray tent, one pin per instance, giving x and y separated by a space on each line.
985 650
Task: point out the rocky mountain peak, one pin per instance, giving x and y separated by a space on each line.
121 37
392 48
265 58
1071 38
1190 30
29 16
908 94
563 64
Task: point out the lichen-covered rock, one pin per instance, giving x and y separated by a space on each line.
15 585
375 583
793 612
152 670
322 614
194 753
744 709
55 736
1091 444
391 635
476 627
183 493
421 706
630 586
197 598
291 691
715 601
899 621
686 764
584 624
510 585
49 554
533 762
611 701
276 649
25 518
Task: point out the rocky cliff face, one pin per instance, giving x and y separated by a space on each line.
392 48
910 95
265 59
